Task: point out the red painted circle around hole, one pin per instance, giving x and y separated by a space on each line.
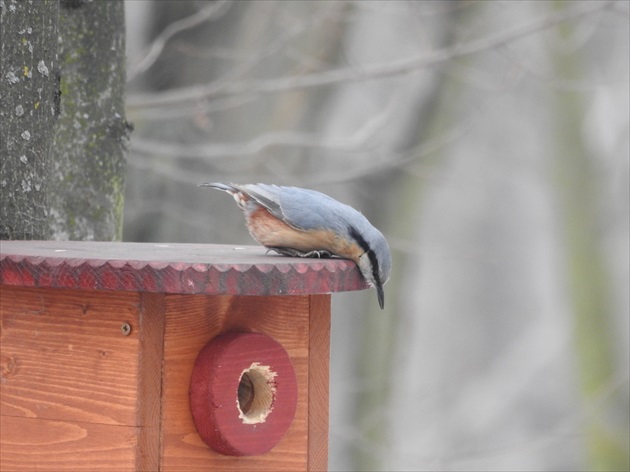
243 393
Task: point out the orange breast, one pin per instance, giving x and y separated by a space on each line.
272 232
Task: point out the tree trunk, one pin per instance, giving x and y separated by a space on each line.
87 179
63 128
28 111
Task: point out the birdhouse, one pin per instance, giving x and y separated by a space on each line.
164 357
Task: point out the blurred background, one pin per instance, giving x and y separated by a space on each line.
489 141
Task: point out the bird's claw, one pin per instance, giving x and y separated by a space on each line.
320 254
287 251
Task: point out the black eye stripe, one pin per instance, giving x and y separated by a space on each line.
374 262
359 239
366 247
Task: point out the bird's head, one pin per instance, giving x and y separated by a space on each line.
376 261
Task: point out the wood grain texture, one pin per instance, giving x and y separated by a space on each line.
171 268
30 444
64 356
191 321
318 381
149 400
69 395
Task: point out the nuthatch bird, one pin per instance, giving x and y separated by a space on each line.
299 222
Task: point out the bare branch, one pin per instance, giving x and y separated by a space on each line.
220 151
253 147
353 144
249 62
216 9
395 159
183 96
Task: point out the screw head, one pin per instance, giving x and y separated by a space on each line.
125 329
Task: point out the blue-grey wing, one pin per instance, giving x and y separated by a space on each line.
300 208
266 195
308 209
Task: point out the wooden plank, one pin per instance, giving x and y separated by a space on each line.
209 269
149 401
318 380
68 391
64 356
192 321
57 446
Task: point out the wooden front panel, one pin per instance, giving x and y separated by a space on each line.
69 386
76 394
30 444
192 321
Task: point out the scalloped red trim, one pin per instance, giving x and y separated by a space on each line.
209 269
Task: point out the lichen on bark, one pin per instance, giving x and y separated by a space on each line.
87 175
28 39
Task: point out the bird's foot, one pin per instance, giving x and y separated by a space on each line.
287 251
320 254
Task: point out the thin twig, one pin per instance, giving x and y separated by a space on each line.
186 95
355 143
215 9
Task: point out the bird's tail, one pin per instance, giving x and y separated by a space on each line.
225 187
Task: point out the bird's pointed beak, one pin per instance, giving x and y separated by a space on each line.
381 295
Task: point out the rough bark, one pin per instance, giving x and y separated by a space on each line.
63 128
29 108
87 179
